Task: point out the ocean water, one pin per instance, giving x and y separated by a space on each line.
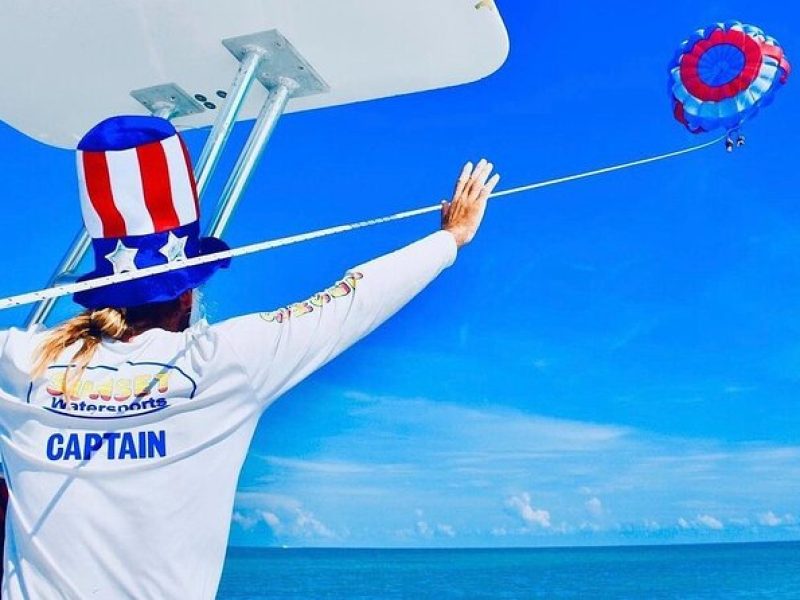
686 571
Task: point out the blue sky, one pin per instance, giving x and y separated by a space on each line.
615 360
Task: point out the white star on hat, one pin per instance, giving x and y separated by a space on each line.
122 258
175 248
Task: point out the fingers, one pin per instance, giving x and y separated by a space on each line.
483 197
462 180
479 180
479 168
489 187
474 183
465 181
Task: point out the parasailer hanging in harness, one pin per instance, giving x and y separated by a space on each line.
112 423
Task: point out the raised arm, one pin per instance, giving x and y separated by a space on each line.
282 347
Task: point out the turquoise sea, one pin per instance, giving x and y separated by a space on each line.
770 570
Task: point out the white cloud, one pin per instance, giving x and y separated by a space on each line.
710 522
284 516
701 522
650 525
770 519
424 529
271 519
307 525
326 467
519 429
520 504
244 521
594 507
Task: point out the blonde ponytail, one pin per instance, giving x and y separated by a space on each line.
89 327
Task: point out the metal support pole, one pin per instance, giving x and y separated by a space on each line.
68 264
248 159
227 117
165 111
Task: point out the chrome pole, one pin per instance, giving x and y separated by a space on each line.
165 111
262 130
68 264
227 117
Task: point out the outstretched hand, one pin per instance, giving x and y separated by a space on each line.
463 214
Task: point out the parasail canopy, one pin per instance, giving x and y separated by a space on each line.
724 74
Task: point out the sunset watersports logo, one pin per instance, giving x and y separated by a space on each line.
104 392
113 410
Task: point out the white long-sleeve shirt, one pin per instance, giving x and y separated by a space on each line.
109 478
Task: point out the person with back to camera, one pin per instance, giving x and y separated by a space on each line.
113 423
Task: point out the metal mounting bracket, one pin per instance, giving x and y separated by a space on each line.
167 101
280 61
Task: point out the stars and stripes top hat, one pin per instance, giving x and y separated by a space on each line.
139 204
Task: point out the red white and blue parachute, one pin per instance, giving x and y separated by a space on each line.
722 75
